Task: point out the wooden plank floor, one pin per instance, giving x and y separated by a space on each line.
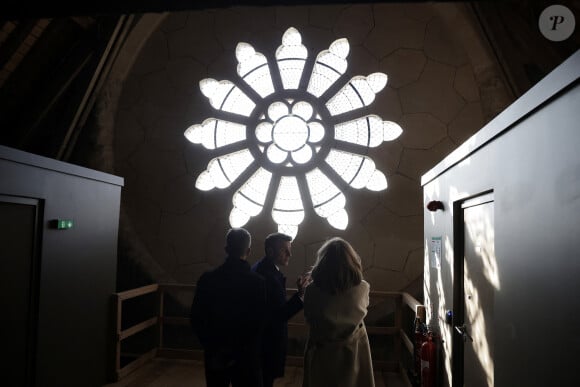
189 373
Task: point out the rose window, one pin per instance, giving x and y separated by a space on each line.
277 127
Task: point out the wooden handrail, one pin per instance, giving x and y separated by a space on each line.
408 344
121 372
401 299
123 334
132 293
138 328
410 301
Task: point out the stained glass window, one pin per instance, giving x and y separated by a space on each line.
288 130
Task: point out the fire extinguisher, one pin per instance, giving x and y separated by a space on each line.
420 337
428 362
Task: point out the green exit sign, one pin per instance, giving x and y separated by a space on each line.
64 224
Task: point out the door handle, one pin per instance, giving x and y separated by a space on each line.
462 330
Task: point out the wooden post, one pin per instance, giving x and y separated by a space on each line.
119 303
161 296
420 312
398 325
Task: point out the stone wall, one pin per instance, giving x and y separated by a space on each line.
443 86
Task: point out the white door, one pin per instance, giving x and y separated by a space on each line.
480 280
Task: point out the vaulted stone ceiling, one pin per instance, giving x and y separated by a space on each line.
53 54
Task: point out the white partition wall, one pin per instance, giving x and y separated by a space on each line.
503 256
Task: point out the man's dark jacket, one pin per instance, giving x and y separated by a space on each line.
278 312
227 313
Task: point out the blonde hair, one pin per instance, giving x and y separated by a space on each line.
338 266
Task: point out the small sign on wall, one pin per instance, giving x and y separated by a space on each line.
436 252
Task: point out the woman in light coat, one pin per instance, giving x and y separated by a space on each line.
335 303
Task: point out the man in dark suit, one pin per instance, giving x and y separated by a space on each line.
228 314
278 309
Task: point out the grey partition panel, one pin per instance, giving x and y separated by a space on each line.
77 266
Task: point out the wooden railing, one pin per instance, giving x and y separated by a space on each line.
296 325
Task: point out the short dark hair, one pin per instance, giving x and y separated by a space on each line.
238 241
338 266
274 239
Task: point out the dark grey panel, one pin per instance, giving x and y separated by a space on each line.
78 267
17 156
